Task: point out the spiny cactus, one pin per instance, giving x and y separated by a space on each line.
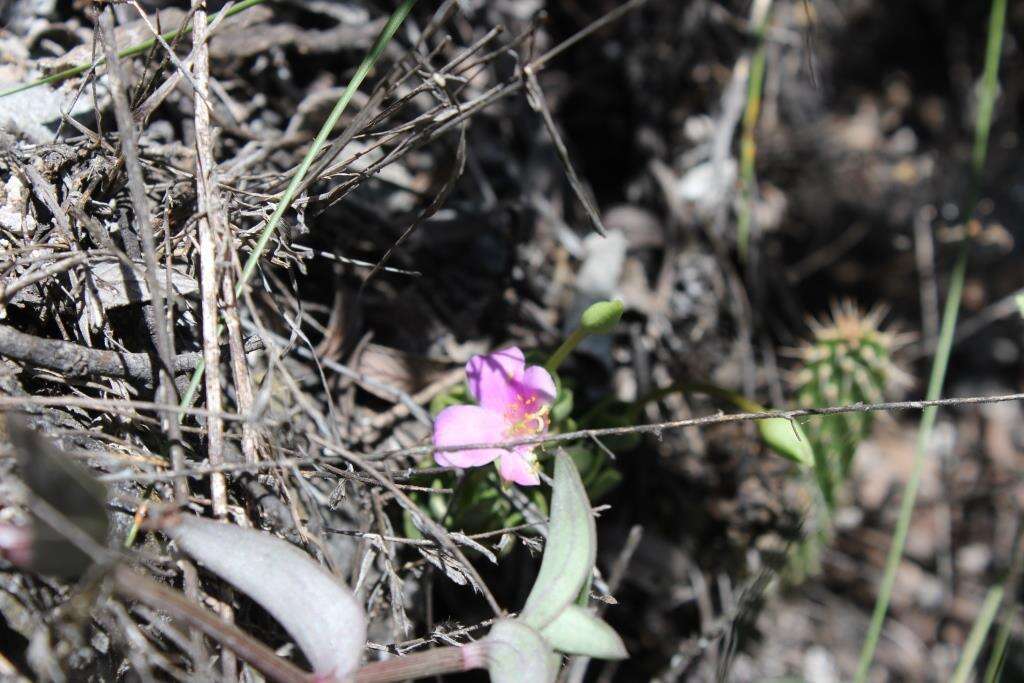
849 360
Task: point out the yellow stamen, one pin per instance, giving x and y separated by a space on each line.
530 423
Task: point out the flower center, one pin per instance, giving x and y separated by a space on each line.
525 417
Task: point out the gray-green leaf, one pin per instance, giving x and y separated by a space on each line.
70 489
570 551
517 654
314 606
578 632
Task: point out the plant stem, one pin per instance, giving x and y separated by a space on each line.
998 655
1009 609
942 352
560 354
443 660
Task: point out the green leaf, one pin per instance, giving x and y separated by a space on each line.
562 407
457 395
787 438
578 632
516 653
570 551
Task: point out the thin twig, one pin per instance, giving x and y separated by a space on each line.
149 105
171 56
708 420
143 217
212 225
239 367
15 403
143 225
589 29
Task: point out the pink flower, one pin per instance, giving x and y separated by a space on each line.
514 401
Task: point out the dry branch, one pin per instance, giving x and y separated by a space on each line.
77 361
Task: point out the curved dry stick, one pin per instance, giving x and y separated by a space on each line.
134 586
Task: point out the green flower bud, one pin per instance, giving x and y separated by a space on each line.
602 317
787 439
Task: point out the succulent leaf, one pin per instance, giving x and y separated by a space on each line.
576 631
68 488
516 653
570 551
316 609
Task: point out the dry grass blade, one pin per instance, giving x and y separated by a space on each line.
213 230
537 101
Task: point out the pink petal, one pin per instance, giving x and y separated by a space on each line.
517 466
537 383
459 425
491 377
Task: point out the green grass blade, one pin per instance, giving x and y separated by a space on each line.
748 146
1009 610
950 312
386 34
126 52
998 656
979 631
371 58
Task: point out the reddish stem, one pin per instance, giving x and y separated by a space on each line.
443 660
